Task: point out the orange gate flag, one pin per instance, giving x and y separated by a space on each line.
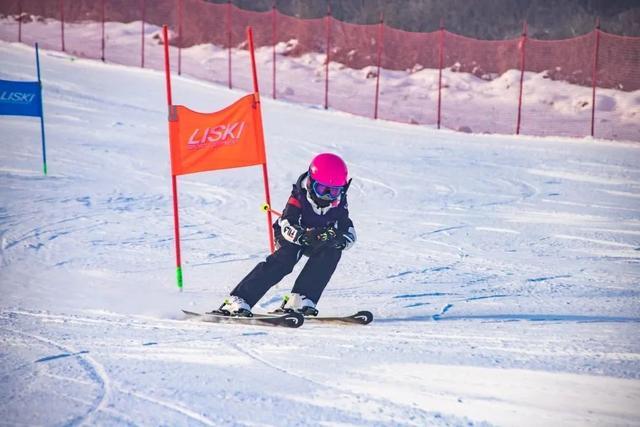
228 138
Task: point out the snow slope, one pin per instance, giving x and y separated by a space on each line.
503 271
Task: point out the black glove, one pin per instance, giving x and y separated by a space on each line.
307 237
317 238
327 235
340 242
344 241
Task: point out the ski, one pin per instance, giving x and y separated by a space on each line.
287 320
360 318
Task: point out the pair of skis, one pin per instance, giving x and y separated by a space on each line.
288 320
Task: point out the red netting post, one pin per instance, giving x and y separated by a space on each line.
20 21
594 77
274 40
380 44
229 42
62 23
326 66
142 13
523 43
440 65
179 37
102 19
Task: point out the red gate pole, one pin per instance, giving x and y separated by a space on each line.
102 18
19 21
265 174
174 182
523 43
62 23
594 77
229 42
274 40
326 67
179 37
380 47
142 12
440 65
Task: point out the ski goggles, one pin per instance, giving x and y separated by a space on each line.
326 192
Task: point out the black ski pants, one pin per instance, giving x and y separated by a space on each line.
310 282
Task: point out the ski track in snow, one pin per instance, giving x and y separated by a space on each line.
361 398
486 259
95 371
189 414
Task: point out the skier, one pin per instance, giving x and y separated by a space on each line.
315 223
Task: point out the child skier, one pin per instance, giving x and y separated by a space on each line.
314 223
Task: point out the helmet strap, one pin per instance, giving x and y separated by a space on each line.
346 187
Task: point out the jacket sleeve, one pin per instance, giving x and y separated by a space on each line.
346 229
289 222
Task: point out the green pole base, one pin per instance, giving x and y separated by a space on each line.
179 277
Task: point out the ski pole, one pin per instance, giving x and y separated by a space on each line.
266 208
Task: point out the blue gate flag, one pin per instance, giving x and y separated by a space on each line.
20 99
25 99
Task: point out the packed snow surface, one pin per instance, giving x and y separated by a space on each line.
502 271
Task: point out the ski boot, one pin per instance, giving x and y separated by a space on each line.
235 306
300 304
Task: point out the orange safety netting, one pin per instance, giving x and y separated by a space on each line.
353 52
237 40
469 65
437 78
305 39
546 111
402 52
12 29
46 12
618 68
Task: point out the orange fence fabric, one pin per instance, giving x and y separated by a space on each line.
476 75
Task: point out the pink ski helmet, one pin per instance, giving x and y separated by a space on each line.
327 179
329 169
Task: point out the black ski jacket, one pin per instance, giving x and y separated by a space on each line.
300 212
